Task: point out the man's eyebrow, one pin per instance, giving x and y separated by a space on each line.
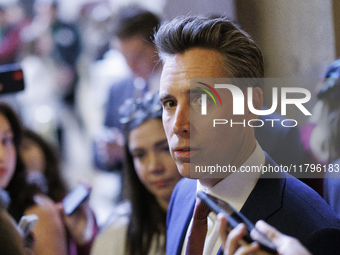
164 96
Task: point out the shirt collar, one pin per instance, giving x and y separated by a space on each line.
236 188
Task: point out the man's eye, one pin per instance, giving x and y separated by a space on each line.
197 100
169 104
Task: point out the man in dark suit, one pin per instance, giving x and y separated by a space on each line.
133 37
195 47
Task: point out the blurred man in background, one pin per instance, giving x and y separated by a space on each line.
133 37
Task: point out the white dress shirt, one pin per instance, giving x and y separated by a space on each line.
235 189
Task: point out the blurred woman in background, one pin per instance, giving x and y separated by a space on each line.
139 225
27 199
42 165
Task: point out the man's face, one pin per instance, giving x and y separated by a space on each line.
192 139
140 55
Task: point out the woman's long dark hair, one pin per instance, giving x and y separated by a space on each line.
56 186
148 218
20 192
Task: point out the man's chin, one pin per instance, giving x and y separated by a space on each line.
184 169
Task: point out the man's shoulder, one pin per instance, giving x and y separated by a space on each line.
185 189
179 213
310 218
300 212
187 184
183 195
304 199
291 206
298 199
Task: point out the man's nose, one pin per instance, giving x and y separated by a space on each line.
181 124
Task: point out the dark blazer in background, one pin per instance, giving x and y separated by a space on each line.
332 187
286 203
118 93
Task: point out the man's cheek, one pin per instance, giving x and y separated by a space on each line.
167 128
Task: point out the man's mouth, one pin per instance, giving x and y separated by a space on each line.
184 153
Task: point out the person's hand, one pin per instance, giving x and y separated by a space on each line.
285 245
232 242
110 148
30 243
80 223
50 231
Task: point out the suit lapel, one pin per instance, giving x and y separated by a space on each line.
266 197
181 216
264 200
190 208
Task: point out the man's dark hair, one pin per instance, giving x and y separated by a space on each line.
241 56
134 20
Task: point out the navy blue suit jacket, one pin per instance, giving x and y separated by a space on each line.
118 93
285 203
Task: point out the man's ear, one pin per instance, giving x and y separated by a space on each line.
257 99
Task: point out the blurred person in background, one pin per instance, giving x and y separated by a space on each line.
66 45
42 107
138 224
49 61
95 23
27 199
133 37
325 137
11 241
3 21
320 137
11 237
42 164
12 21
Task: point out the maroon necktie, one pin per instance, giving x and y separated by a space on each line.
198 230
